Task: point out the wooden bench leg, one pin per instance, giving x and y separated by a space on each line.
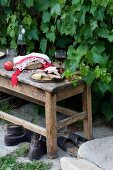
87 106
51 125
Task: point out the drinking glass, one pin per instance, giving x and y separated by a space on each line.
11 53
60 55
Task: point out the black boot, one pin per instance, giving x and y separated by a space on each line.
37 147
16 134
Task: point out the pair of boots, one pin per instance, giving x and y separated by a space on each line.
16 134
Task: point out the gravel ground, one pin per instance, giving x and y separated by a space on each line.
29 114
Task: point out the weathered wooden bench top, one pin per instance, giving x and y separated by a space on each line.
25 78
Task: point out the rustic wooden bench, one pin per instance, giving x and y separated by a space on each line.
48 94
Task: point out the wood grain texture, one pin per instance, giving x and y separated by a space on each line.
72 119
69 92
51 125
24 123
23 89
87 106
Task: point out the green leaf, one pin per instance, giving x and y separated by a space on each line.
103 86
90 77
102 32
84 70
33 34
3 40
4 2
28 3
97 72
93 24
81 17
93 9
100 46
27 20
45 27
46 17
77 2
50 36
87 32
43 45
100 14
56 9
96 56
41 5
68 26
110 38
13 44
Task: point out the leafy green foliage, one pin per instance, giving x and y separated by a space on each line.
83 28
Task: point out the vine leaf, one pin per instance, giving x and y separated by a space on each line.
46 17
28 3
43 45
50 36
56 9
34 34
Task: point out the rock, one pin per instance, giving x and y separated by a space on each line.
99 152
76 164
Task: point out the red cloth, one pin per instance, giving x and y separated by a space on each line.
14 79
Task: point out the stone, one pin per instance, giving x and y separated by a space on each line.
77 164
99 152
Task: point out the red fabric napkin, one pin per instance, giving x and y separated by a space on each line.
14 79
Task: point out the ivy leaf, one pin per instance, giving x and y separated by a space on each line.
45 27
110 38
103 86
77 2
90 77
87 32
42 5
43 45
100 46
93 9
33 34
4 2
71 53
93 24
3 40
81 17
50 36
28 3
102 33
97 72
13 44
84 70
97 58
27 20
46 17
56 9
100 14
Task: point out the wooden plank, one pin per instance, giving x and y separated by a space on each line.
69 92
87 106
51 125
65 122
24 123
22 89
66 111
